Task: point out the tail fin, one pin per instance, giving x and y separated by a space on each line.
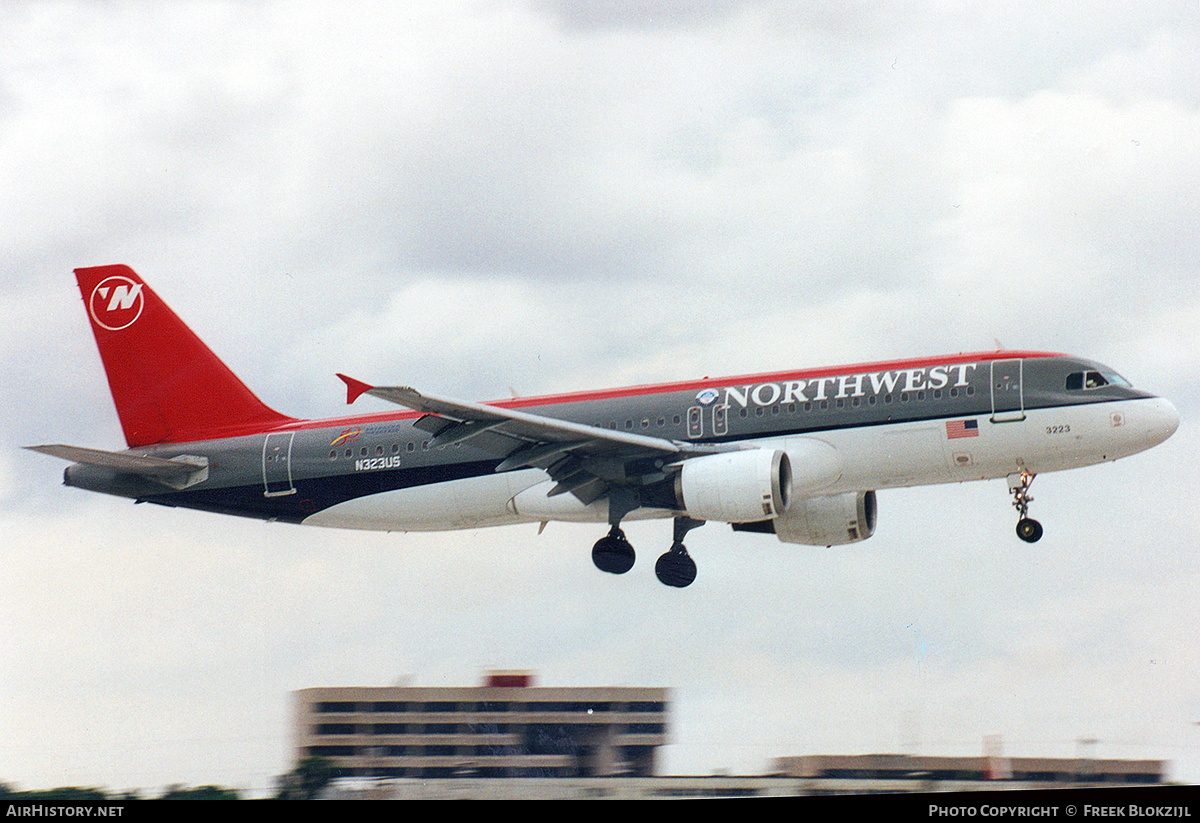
167 385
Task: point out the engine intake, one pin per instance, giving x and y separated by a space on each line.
735 486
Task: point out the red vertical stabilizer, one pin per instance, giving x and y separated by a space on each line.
167 385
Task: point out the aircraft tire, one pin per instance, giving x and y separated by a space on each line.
1029 530
613 554
676 568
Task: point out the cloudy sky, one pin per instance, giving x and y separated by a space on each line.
484 197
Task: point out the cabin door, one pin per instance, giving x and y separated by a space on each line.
1008 394
277 464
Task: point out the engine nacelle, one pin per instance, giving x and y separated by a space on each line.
834 520
735 486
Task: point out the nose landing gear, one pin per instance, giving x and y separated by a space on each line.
1028 529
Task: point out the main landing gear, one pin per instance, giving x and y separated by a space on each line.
676 567
1028 529
613 554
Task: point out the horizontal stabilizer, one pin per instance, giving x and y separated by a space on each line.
176 472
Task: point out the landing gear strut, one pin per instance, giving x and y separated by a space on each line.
613 553
676 567
1028 529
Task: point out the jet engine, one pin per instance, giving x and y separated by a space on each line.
833 520
735 486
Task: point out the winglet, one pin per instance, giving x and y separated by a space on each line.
354 388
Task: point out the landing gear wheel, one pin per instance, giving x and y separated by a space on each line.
676 567
613 553
1029 530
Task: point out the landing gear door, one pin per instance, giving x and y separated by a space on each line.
1008 394
277 465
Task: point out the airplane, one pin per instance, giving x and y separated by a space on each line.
797 454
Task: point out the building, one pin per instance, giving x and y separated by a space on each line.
505 728
1043 772
510 739
810 776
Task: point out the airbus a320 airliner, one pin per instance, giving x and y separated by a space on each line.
796 454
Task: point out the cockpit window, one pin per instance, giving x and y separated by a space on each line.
1084 380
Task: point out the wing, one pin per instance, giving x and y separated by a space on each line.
584 460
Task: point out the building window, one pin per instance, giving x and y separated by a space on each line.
389 706
329 707
390 728
645 707
335 728
332 751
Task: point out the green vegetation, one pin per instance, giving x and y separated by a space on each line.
91 795
305 782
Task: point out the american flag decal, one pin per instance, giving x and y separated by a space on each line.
961 428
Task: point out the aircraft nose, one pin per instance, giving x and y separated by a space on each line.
1162 420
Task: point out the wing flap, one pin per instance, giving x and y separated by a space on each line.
588 462
518 425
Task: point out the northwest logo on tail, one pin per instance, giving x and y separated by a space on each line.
116 303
